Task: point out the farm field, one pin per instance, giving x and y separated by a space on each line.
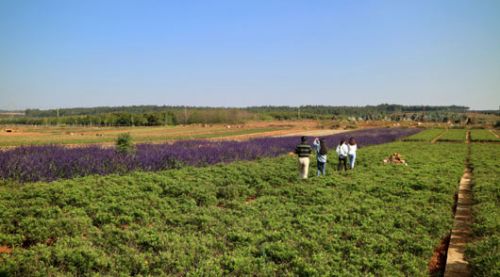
250 138
484 252
242 218
74 136
427 135
484 135
453 135
48 163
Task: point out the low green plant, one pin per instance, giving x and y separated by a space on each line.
484 252
483 135
245 218
124 143
453 135
426 135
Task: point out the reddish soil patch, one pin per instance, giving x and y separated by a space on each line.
302 124
277 133
314 132
5 249
50 241
15 133
250 199
437 263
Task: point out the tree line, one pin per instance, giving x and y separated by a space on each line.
135 117
175 115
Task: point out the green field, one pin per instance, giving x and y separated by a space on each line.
426 135
246 218
484 253
454 135
483 135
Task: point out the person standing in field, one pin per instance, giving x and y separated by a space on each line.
352 148
321 151
303 150
342 151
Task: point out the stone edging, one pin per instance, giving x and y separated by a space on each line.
456 265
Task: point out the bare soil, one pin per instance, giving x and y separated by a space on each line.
314 133
250 199
437 263
5 249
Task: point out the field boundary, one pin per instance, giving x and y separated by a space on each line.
456 264
494 133
439 136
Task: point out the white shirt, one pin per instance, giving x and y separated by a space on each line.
342 150
352 149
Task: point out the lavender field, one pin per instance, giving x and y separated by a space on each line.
49 163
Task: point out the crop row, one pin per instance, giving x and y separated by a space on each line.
245 218
48 163
484 253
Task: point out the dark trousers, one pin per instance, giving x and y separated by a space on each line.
342 162
321 168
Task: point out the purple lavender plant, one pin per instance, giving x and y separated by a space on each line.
49 163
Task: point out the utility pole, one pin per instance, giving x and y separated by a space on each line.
298 112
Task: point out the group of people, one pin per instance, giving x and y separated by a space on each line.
346 152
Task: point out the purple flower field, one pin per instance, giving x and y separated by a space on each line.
49 163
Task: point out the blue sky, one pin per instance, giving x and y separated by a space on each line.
245 53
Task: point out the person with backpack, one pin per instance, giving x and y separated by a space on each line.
321 152
352 148
303 150
342 151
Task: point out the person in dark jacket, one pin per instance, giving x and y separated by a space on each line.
303 150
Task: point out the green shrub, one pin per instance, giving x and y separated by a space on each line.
124 143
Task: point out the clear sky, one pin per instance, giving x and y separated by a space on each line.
244 53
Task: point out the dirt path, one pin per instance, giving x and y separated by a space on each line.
456 265
317 133
276 133
439 136
494 133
